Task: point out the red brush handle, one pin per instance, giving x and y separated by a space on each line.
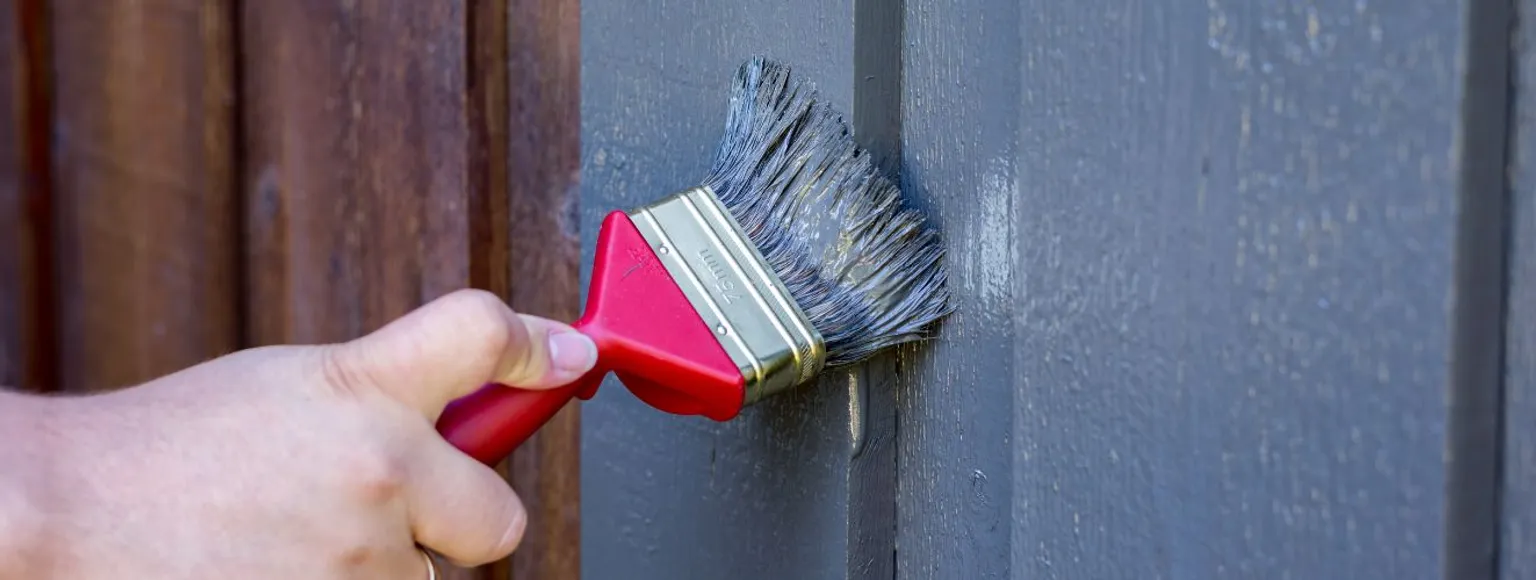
491 423
646 332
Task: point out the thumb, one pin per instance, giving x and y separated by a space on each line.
454 345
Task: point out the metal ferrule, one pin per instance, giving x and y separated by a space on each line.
733 288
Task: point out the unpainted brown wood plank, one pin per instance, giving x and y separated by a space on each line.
490 262
13 217
143 135
39 267
22 209
357 165
356 169
525 124
542 128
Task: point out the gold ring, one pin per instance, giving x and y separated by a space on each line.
431 564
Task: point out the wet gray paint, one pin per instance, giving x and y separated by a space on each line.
1204 327
955 447
1205 255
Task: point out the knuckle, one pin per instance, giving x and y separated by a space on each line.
488 326
476 305
343 373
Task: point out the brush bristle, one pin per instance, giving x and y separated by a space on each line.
868 272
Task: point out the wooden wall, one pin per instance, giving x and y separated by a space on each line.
1231 289
1239 294
26 340
180 179
1517 531
1225 311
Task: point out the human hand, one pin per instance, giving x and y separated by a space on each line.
295 461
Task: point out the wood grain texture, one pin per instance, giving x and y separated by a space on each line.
40 298
490 262
20 311
765 495
357 168
14 246
1204 257
399 151
543 160
143 160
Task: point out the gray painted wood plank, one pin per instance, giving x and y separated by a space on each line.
1518 538
960 153
766 495
1204 256
1480 162
876 118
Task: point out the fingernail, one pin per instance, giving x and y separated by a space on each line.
572 352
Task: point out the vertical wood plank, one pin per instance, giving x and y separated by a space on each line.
357 186
1517 553
19 226
39 322
1480 166
405 151
542 127
872 465
525 126
491 260
1205 255
766 495
16 243
356 167
143 163
960 151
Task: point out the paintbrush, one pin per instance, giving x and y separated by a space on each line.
794 255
